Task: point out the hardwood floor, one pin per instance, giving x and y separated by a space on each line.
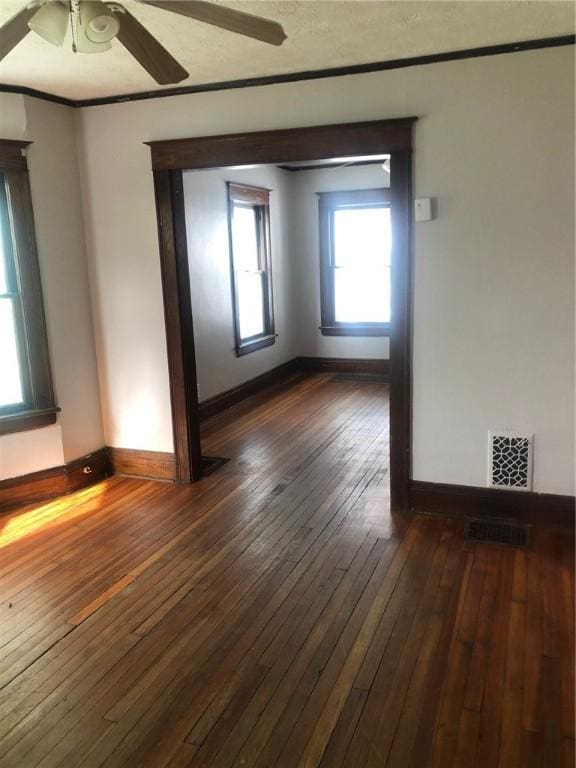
274 615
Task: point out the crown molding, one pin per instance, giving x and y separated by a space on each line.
295 77
23 91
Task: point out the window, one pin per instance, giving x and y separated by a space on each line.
26 396
355 255
249 225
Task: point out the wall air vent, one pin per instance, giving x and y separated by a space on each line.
510 460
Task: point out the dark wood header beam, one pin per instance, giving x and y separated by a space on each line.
313 143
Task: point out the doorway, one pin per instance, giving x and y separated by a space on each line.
171 158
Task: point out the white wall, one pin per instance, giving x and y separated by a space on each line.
494 274
54 181
205 195
304 213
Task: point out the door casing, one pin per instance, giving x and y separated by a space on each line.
172 157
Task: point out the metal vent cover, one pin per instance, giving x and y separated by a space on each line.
510 460
498 532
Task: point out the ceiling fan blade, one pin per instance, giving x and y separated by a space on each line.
226 18
148 52
15 30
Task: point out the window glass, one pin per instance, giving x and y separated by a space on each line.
250 304
362 237
245 237
6 254
3 259
11 391
249 211
249 283
26 394
362 295
10 380
362 245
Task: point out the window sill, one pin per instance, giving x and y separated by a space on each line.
253 346
25 420
355 330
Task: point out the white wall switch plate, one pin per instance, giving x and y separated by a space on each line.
423 209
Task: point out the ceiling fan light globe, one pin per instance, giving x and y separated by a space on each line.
50 22
83 45
102 29
97 22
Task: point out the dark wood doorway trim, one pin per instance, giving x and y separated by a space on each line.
171 158
179 328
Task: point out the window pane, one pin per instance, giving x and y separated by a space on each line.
362 237
3 277
250 303
4 235
362 295
10 381
244 239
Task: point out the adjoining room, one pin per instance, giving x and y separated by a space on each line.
273 248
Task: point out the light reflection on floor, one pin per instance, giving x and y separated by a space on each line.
15 525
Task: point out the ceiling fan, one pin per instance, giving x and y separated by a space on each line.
94 24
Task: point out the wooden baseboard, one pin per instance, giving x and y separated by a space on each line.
154 465
344 365
282 374
157 465
279 375
53 482
471 501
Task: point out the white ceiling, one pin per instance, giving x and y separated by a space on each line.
321 34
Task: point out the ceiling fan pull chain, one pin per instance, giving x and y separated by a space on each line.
73 17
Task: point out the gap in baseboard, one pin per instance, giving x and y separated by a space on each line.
211 464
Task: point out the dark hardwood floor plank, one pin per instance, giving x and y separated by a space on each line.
550 711
335 753
453 585
533 642
353 658
303 675
383 660
491 714
275 615
478 669
510 753
314 552
569 753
